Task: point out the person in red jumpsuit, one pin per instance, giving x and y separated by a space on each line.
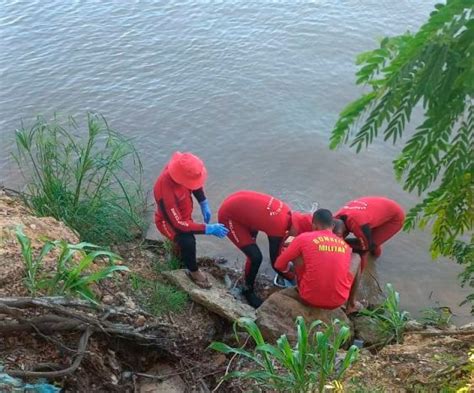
372 220
326 271
183 176
245 213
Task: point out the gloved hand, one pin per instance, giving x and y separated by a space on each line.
218 230
206 211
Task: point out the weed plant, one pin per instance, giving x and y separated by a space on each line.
72 275
172 259
439 316
310 365
91 181
389 317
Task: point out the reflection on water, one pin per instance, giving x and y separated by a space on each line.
254 88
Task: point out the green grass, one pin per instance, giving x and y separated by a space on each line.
91 180
156 297
166 298
172 261
439 316
310 365
71 276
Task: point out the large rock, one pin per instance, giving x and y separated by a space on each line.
370 331
216 299
370 291
276 316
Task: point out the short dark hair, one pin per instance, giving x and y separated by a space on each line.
338 225
323 217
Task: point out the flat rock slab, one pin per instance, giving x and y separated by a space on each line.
216 299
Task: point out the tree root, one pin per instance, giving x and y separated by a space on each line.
81 351
443 333
47 316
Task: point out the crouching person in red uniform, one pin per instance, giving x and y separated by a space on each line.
245 213
326 272
373 221
185 174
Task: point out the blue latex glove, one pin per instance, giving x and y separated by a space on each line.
218 230
206 211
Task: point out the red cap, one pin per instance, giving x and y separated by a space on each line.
188 170
301 222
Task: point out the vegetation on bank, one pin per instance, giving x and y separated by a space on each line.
312 364
389 318
72 274
90 179
156 297
433 70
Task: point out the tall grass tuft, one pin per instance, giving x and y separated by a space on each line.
91 180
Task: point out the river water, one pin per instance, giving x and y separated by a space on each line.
254 88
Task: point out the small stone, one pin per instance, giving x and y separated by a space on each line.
127 375
108 299
467 326
33 226
140 321
413 326
129 303
219 359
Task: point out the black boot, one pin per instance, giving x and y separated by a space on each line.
252 298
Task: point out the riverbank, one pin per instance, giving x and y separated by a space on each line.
146 335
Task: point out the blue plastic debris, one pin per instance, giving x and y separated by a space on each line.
16 385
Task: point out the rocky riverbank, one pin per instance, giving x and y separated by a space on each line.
128 344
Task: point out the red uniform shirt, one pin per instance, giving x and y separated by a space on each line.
175 204
302 222
371 211
256 212
324 277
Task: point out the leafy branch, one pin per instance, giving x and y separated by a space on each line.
432 69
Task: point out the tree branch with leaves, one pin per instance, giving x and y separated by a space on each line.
432 69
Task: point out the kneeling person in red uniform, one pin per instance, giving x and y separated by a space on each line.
326 273
373 221
245 213
183 176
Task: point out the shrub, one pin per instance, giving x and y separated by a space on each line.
91 183
389 316
310 365
71 276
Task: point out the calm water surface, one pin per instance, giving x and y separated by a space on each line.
252 87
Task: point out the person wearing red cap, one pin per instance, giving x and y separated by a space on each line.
184 175
373 220
326 272
245 213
